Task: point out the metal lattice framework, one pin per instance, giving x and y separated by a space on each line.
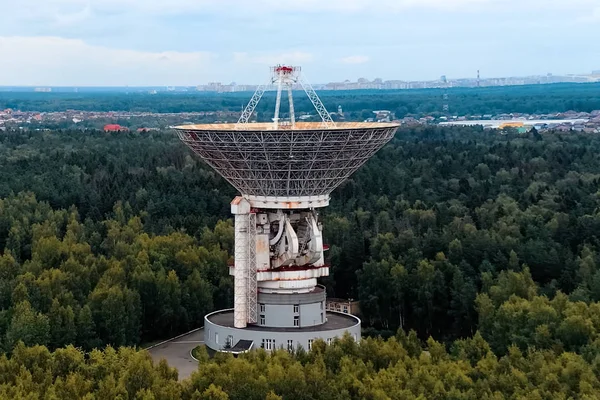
285 76
306 161
316 101
249 110
240 281
252 283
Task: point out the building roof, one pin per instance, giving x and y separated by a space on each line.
241 346
335 321
113 127
337 300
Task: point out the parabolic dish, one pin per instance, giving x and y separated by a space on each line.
306 161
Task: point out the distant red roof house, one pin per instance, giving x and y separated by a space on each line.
114 128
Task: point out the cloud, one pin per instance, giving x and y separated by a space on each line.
594 15
75 17
270 59
141 42
355 60
57 61
240 7
59 11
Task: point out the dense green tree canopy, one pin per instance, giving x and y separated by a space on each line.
399 368
107 282
482 245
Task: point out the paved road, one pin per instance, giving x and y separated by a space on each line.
177 353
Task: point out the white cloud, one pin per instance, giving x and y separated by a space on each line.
361 5
79 10
264 7
270 59
271 6
57 61
196 41
355 60
595 15
69 18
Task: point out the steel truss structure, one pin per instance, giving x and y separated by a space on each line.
249 110
306 161
285 77
240 279
252 283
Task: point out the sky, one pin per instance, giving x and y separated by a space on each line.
191 42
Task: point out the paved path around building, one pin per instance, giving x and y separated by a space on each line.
177 352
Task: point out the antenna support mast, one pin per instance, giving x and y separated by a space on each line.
285 78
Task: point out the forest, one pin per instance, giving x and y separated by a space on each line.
530 99
474 255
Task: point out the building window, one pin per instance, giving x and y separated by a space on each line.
209 335
217 337
296 308
229 342
290 345
329 341
355 338
322 319
345 309
296 320
268 344
262 319
321 305
262 308
310 342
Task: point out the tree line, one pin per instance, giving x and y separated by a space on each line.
401 367
475 253
546 99
416 234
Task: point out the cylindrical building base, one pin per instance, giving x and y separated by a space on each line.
221 335
297 310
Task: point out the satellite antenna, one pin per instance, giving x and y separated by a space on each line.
284 173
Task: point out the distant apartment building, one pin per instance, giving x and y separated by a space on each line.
218 87
383 115
346 306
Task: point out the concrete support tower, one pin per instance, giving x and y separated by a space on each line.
285 172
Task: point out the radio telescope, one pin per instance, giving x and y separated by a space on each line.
284 171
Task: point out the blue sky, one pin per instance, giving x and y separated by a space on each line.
189 42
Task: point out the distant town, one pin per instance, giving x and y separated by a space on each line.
118 121
360 84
